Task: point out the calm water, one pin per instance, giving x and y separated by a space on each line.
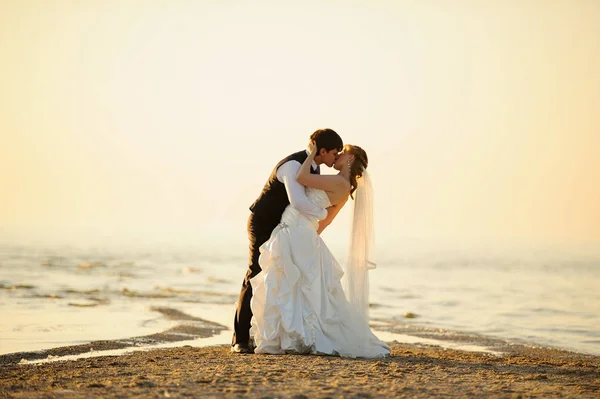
57 297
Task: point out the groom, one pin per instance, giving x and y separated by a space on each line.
280 190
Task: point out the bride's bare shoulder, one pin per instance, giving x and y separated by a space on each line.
343 181
340 200
341 187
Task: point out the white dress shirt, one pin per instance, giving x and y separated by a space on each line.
295 191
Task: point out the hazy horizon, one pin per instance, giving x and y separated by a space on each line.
155 122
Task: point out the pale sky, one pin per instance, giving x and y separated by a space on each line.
159 121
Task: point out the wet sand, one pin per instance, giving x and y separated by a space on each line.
411 371
187 328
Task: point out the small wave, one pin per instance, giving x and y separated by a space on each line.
54 261
591 341
175 290
515 315
214 300
17 286
90 265
48 296
549 310
408 296
191 292
90 303
124 275
449 304
215 280
134 294
578 331
374 305
84 292
191 270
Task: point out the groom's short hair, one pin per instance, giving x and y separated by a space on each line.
328 139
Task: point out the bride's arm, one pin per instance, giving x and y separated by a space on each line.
327 183
332 212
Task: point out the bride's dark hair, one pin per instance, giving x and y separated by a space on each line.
358 166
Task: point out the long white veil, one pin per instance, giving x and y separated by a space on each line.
361 256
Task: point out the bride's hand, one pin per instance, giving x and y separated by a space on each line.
312 148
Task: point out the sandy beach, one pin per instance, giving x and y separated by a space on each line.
411 371
423 364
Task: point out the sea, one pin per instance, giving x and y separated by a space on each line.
59 296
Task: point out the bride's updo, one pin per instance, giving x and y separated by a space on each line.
358 166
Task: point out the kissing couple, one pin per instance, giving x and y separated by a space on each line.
292 299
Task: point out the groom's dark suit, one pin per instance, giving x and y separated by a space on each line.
265 215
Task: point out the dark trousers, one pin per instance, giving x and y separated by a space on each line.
258 234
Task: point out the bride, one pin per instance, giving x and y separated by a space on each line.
298 303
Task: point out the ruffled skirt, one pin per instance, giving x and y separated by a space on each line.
298 302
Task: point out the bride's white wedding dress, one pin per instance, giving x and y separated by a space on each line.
298 303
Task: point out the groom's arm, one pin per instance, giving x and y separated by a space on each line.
295 191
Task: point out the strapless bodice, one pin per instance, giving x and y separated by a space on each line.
292 217
318 197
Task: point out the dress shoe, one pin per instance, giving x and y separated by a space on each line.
240 348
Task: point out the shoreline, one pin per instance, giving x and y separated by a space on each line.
425 362
187 328
192 331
